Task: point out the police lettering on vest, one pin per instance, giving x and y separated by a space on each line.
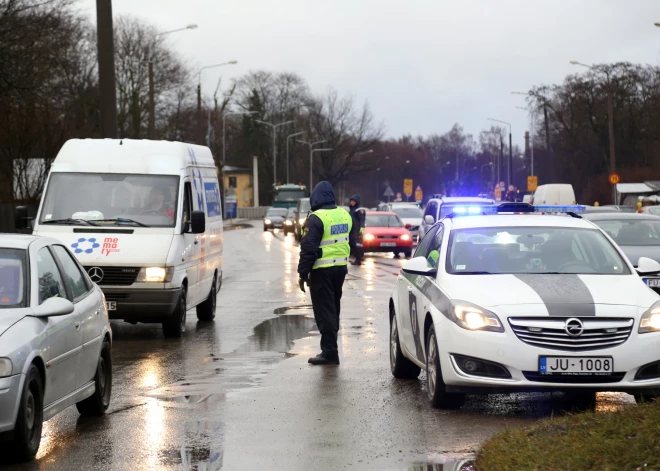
337 226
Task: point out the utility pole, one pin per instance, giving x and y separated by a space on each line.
287 152
547 140
106 53
152 103
311 156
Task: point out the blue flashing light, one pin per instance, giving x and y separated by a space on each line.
515 208
548 208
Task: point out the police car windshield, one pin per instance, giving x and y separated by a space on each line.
12 278
113 199
382 220
533 250
407 211
632 231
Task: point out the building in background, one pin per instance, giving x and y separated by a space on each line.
238 182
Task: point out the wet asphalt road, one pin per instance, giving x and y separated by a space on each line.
238 393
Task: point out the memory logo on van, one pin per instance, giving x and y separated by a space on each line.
110 245
212 199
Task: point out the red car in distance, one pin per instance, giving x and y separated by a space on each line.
385 232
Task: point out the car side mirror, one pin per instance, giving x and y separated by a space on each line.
647 266
197 222
419 266
55 306
428 219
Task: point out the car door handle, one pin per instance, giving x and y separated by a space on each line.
98 311
409 288
77 324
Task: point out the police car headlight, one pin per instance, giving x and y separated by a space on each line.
155 275
5 367
471 317
650 321
369 237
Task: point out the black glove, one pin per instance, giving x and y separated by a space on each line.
301 283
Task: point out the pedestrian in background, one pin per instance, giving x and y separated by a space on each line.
358 218
324 250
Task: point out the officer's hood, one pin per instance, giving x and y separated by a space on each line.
357 202
323 196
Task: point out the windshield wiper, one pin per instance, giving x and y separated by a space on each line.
124 220
69 221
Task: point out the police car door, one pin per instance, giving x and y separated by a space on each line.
409 296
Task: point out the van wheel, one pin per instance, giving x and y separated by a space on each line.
98 403
27 433
206 309
438 396
176 325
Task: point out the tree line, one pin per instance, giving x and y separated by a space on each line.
49 93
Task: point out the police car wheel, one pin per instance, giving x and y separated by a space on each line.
175 326
438 396
401 367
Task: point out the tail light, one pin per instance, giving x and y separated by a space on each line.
408 226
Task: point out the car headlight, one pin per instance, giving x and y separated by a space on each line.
405 237
369 237
287 222
5 367
155 275
471 317
650 321
301 221
267 221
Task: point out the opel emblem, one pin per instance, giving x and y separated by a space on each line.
96 274
574 327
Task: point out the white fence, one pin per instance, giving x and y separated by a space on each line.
251 212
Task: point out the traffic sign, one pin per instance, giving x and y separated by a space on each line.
532 182
614 178
407 186
388 191
419 195
502 185
511 188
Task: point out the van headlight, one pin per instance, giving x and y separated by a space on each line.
471 317
650 321
155 275
5 367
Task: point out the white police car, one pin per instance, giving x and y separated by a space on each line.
507 300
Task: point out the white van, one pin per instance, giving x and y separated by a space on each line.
144 218
554 194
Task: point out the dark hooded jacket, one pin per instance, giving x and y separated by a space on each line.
358 218
322 197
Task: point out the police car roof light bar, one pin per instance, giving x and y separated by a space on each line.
519 208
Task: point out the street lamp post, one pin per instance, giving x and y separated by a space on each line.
531 147
547 128
508 167
106 60
273 128
311 147
287 152
152 98
610 114
199 80
501 156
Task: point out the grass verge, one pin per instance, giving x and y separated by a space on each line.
626 440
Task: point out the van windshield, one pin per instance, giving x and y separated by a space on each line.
102 199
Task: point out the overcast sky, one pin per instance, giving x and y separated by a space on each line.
422 65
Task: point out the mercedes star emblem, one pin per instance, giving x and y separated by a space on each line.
96 274
574 327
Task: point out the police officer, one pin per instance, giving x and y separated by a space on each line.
358 217
324 251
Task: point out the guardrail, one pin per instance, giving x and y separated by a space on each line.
251 212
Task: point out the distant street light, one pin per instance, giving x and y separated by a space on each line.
152 99
510 148
287 152
531 147
199 80
273 128
311 156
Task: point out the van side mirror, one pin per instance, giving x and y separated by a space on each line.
428 219
197 222
21 219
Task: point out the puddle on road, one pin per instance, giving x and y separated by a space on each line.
301 309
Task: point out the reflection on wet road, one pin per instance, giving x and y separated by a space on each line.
238 393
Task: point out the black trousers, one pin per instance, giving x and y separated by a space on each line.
325 286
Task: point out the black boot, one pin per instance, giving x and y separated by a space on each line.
322 360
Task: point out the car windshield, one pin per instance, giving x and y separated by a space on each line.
447 209
289 195
291 212
632 231
12 278
653 210
305 205
497 250
114 199
407 212
274 212
383 220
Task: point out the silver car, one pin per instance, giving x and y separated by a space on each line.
55 340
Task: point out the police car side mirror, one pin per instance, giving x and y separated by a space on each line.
428 219
647 266
197 222
419 266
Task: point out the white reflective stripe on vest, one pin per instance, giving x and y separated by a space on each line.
319 263
333 241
